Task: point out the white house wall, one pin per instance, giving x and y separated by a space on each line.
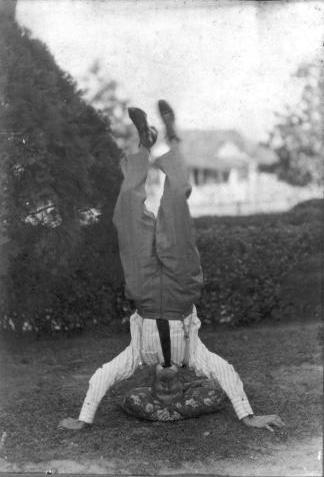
260 193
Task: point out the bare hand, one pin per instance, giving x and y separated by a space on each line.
263 421
71 424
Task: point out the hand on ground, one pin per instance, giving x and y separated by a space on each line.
71 424
263 421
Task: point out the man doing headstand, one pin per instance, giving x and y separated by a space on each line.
163 276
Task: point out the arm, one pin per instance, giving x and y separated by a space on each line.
110 373
263 421
103 379
213 366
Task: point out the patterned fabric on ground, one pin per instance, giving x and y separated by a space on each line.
199 397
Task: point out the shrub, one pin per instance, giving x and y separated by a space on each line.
245 261
58 152
58 159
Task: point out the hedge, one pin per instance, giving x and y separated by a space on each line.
58 155
246 260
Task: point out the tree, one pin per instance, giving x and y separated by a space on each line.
58 160
298 137
103 94
8 9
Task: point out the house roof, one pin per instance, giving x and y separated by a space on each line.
222 150
201 148
262 154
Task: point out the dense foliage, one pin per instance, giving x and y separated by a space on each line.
298 136
104 95
58 162
245 261
60 269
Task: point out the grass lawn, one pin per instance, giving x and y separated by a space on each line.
46 380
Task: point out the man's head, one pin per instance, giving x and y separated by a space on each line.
166 385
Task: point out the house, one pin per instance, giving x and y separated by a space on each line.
223 168
218 156
214 156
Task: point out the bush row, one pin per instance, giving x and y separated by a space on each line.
245 261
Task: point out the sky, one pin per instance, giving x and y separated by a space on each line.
221 64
